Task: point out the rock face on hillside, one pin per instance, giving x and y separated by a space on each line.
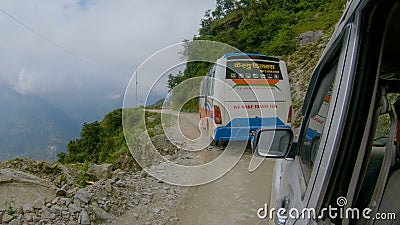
17 187
309 37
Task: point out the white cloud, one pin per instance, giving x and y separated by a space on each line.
114 96
100 42
22 84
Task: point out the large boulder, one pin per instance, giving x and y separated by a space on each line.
22 188
83 196
101 214
84 218
101 172
309 37
7 218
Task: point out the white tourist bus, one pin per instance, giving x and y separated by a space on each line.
243 92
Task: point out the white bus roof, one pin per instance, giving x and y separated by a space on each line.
241 55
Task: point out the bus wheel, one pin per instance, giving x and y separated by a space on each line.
222 143
213 142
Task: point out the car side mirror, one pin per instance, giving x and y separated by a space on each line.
272 142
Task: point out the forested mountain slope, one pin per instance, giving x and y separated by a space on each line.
296 30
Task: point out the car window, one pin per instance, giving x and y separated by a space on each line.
315 123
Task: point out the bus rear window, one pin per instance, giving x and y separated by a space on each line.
253 70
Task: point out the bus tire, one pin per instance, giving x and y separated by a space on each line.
213 142
222 143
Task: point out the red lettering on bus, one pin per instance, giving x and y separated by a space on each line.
273 106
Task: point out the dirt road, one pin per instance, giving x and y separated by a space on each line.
232 199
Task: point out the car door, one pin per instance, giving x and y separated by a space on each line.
300 182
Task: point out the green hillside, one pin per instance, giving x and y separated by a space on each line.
99 142
269 27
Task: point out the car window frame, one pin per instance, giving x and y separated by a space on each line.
307 120
337 52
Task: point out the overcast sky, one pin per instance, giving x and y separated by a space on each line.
73 52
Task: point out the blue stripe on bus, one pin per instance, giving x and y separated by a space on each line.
311 134
240 128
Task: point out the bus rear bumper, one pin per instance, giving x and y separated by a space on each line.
242 129
234 133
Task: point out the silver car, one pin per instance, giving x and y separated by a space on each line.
344 167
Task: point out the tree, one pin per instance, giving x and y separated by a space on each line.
174 80
100 142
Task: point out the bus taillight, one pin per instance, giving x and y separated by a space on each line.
289 119
217 115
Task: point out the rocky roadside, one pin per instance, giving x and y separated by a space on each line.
120 196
